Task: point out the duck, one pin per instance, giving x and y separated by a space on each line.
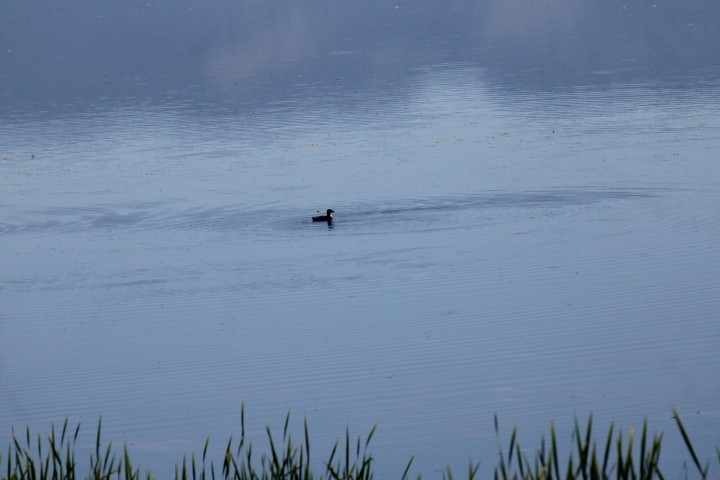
325 218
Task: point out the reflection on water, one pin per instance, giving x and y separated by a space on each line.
250 57
525 222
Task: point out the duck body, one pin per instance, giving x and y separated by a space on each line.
325 218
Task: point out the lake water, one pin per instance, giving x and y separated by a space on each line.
527 223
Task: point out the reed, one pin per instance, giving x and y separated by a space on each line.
616 457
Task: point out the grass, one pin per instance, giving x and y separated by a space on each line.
616 457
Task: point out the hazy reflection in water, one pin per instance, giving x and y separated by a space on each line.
526 221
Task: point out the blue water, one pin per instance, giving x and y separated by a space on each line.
526 224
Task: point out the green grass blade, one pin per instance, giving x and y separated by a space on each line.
686 438
287 422
554 449
511 446
370 435
643 442
608 448
409 464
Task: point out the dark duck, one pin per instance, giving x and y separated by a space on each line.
325 218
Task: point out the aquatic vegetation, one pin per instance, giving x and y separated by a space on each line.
55 458
615 459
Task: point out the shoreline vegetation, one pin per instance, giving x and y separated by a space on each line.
614 457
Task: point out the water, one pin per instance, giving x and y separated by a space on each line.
526 223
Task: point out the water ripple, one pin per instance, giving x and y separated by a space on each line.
161 216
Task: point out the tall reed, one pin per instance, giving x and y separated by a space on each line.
54 458
616 458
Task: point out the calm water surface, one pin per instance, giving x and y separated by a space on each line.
527 223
